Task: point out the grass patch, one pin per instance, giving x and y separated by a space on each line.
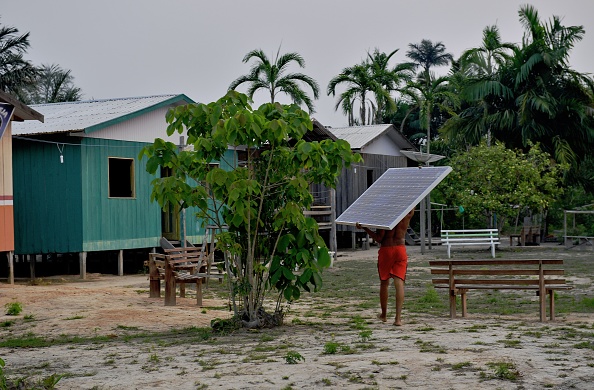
13 308
503 370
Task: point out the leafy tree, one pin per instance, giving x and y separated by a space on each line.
15 71
489 181
270 246
53 85
273 77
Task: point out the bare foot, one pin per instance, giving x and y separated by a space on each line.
397 323
381 318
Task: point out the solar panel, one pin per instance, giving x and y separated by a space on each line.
392 196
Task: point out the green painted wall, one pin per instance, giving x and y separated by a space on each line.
47 202
116 223
65 207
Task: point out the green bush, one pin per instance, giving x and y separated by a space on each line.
13 308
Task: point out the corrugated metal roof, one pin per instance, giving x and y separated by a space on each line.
91 115
359 136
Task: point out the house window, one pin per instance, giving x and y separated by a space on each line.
369 177
121 177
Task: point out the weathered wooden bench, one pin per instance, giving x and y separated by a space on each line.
527 274
176 266
470 237
528 235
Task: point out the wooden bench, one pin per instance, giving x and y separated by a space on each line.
470 237
528 235
463 275
176 266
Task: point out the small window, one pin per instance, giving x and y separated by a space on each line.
121 177
369 177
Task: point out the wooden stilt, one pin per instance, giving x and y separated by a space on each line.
121 263
10 268
82 257
32 266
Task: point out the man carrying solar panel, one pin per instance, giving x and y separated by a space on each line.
391 263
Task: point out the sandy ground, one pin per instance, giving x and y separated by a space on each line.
427 352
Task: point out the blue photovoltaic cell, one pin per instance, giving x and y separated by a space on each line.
392 196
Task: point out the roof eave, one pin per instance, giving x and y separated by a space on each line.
120 119
21 112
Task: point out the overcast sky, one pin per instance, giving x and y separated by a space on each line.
125 48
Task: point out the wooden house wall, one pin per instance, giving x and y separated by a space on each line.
47 208
116 223
354 181
6 193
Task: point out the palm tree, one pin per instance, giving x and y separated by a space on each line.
478 69
389 80
426 90
273 77
359 81
15 72
536 97
53 85
428 95
372 77
428 55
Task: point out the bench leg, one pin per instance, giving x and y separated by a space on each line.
552 304
449 251
170 292
155 288
452 304
493 250
463 299
543 307
199 292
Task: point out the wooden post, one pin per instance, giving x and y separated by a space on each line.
32 266
154 279
169 284
199 292
542 292
121 263
333 243
82 260
422 216
10 268
452 292
552 304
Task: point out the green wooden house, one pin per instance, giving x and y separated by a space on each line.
81 187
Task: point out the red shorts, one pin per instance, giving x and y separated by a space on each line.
392 262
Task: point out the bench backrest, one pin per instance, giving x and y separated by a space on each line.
180 257
482 235
497 272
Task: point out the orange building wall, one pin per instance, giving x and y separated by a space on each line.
6 197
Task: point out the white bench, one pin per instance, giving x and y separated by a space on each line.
470 237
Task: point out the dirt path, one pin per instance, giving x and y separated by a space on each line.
348 351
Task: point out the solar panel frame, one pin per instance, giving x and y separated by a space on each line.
387 201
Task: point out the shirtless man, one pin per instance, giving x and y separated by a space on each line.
391 263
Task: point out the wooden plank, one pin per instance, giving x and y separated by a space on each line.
525 272
508 281
446 263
